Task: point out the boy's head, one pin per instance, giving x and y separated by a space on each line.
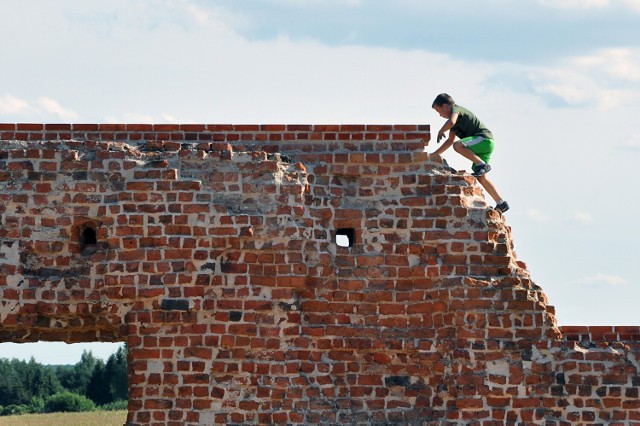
442 104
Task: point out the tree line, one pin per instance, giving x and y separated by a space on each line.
31 387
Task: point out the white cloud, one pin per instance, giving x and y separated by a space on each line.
128 20
199 14
164 118
132 118
44 108
575 4
171 119
11 105
634 4
563 86
321 2
633 142
583 217
222 20
604 79
539 217
592 81
54 108
602 279
621 63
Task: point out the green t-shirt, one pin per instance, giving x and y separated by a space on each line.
468 124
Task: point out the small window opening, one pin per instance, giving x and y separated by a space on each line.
88 240
345 237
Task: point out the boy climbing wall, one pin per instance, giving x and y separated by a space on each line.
475 142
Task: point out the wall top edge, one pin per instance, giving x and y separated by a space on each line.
318 128
601 333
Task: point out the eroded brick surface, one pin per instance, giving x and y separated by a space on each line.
211 250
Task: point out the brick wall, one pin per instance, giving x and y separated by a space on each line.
211 250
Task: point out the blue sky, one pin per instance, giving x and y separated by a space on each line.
557 81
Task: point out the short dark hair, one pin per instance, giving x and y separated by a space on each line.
442 99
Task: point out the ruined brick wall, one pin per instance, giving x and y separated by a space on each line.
211 250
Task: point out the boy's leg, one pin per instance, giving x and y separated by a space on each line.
466 152
481 153
478 150
490 188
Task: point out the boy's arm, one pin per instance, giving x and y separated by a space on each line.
448 125
446 144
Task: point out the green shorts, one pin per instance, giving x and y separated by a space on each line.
480 146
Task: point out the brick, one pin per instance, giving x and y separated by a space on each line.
140 186
469 403
29 127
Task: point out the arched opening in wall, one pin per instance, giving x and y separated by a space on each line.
345 237
88 238
93 374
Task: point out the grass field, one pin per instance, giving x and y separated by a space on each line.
94 418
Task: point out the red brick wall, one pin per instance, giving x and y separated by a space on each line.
215 259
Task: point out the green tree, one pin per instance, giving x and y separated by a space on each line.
76 378
116 374
41 381
109 380
98 389
20 381
10 386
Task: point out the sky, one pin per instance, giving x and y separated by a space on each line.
557 82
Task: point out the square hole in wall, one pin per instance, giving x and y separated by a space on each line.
88 238
345 237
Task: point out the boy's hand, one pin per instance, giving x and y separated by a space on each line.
440 135
436 158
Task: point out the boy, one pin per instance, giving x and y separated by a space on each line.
475 144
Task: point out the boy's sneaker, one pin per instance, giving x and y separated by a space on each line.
502 207
481 170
